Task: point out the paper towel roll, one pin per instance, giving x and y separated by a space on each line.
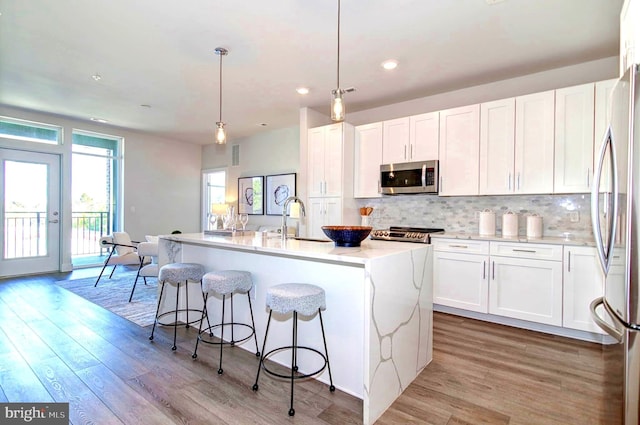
510 224
487 226
534 226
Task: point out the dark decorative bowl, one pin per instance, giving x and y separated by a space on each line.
350 236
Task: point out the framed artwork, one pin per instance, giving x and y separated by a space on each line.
250 195
279 188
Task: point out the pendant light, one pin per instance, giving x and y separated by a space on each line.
221 134
337 103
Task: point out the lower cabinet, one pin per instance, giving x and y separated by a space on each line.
527 289
583 283
541 283
461 274
323 212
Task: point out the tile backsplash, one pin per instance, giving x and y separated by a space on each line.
460 214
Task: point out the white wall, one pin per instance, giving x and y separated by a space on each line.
161 178
271 152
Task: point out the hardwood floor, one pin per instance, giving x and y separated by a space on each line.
56 346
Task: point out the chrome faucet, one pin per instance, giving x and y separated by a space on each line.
284 213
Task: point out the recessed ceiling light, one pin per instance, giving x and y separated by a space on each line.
99 120
263 124
144 105
96 77
390 64
302 90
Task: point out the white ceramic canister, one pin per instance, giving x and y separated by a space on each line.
510 224
534 226
487 223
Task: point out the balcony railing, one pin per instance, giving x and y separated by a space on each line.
25 231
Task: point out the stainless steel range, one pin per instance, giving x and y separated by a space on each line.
405 234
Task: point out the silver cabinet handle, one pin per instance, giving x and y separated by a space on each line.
518 187
530 251
493 270
569 261
509 181
404 155
410 151
587 177
458 246
484 270
441 185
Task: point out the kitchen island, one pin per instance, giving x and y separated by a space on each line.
379 313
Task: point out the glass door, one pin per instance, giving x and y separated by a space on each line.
30 212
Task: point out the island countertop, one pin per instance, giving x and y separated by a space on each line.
274 245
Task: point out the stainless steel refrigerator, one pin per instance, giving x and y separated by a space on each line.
615 215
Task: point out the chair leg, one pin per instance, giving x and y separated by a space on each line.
175 327
294 366
186 289
112 270
332 388
103 267
136 281
221 335
264 344
253 324
157 311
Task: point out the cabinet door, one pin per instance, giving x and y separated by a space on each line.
395 142
583 283
461 280
315 163
315 218
333 154
333 212
459 150
423 136
574 139
526 289
534 143
368 157
497 139
601 122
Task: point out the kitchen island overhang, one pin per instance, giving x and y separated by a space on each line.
379 304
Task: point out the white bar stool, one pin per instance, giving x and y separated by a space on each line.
305 299
177 274
223 283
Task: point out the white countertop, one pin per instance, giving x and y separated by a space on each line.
325 251
552 240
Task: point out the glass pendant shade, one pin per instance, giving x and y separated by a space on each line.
337 106
221 135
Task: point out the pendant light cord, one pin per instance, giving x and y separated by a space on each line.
338 78
221 54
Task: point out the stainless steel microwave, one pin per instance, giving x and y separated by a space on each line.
409 177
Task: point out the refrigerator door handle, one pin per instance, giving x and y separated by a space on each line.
615 333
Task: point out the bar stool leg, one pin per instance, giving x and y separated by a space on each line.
294 365
332 388
222 336
253 324
204 311
264 344
157 311
186 289
175 327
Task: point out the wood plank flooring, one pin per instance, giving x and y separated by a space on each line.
56 346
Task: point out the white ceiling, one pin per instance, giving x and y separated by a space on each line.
161 53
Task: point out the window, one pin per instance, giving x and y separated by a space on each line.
215 188
30 131
95 181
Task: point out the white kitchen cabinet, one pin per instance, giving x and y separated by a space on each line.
583 283
460 274
574 121
600 125
326 149
526 282
323 212
423 136
629 34
497 144
459 151
367 160
395 141
534 143
330 164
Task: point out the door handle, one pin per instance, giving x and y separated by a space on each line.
54 221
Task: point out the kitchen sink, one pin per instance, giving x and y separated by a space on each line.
311 239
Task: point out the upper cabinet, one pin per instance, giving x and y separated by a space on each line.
410 139
367 160
497 137
573 169
629 34
424 132
534 143
325 163
395 146
459 149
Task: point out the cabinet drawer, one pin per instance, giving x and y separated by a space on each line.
527 250
460 245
